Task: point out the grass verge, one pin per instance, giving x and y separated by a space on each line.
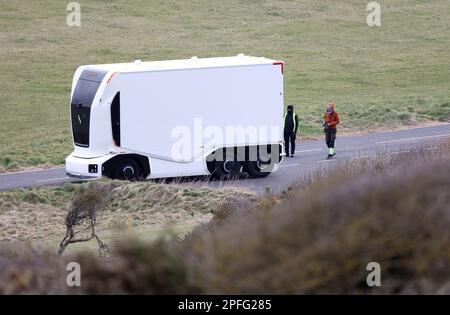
142 208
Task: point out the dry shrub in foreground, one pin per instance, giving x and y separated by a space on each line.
85 211
320 240
27 270
137 268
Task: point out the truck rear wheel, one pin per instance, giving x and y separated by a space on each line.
256 171
227 169
129 169
262 167
230 167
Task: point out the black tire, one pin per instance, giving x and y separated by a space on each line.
129 169
259 168
228 169
254 170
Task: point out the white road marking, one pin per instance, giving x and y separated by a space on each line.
415 138
291 165
51 179
310 150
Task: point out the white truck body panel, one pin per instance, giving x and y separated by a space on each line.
161 102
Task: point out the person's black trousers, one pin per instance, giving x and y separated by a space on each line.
289 137
330 137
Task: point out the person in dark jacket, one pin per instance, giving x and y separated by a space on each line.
290 122
331 120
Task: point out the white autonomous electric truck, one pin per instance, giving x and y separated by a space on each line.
198 116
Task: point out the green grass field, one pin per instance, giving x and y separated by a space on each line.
397 74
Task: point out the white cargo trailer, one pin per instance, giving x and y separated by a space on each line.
197 116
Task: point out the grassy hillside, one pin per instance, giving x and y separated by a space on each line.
397 74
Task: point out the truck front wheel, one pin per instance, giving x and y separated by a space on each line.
129 169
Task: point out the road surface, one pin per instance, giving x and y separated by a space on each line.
310 155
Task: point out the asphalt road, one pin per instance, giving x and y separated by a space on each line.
310 155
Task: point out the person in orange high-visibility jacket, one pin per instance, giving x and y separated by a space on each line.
290 123
331 120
